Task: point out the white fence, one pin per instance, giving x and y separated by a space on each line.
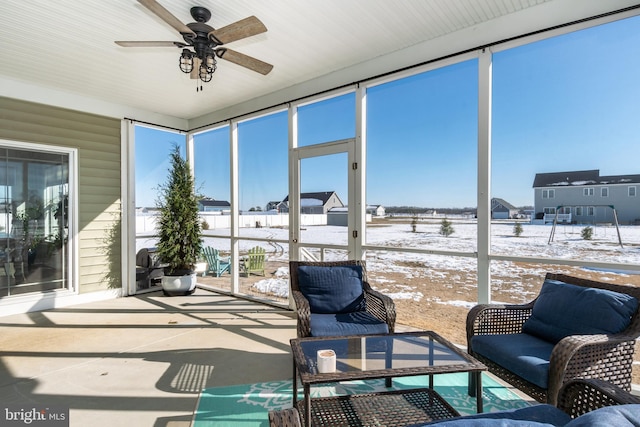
146 222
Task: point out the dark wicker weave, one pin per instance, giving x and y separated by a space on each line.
608 357
394 408
576 397
378 305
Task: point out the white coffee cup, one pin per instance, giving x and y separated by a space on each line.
326 360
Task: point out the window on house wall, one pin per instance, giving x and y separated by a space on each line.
34 219
552 100
549 210
632 191
591 211
579 211
548 194
604 192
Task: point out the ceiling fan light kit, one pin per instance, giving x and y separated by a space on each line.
202 42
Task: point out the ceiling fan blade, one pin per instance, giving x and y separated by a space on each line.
246 27
244 60
196 68
149 44
166 16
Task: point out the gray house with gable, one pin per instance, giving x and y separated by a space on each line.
586 197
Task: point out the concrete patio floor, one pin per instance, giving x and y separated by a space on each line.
140 361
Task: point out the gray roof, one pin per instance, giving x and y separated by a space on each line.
212 202
324 196
581 178
504 203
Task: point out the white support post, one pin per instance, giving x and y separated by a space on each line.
128 206
357 192
484 175
294 192
235 208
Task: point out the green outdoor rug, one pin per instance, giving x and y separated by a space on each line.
249 404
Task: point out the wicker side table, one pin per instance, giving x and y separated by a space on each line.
389 408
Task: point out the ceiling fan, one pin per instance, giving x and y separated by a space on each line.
202 43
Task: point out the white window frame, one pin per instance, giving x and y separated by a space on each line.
549 194
72 212
604 192
579 210
588 192
591 211
632 191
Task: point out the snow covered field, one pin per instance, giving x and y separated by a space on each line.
405 267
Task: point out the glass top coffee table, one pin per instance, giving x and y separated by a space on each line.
388 356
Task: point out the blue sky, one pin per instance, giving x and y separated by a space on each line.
562 104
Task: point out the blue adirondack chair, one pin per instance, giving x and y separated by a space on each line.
216 265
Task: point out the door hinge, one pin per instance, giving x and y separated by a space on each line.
354 234
354 165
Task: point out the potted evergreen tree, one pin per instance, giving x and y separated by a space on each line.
179 228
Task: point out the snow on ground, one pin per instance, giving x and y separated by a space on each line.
534 242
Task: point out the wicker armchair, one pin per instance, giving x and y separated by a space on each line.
377 304
607 357
576 398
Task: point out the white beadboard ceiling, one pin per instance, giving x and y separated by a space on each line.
68 46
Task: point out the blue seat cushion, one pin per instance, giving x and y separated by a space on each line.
547 415
563 309
335 289
525 355
619 416
337 324
536 415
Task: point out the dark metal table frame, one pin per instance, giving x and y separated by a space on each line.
426 363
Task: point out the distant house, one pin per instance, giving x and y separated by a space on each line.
376 210
314 203
587 197
501 209
273 206
212 205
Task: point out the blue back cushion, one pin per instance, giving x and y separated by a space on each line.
563 309
336 289
619 416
